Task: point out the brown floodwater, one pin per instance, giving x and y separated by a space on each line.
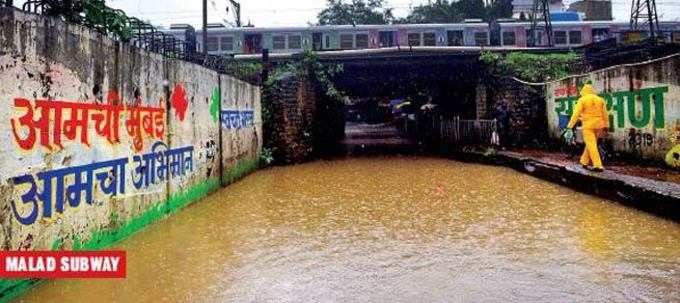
393 229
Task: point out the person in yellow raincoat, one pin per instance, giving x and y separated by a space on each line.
591 109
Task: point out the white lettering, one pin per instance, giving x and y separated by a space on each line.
114 261
97 263
64 264
12 263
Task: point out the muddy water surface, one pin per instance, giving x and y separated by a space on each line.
393 229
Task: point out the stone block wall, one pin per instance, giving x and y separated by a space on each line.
526 110
291 106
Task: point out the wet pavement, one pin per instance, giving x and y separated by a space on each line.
380 138
657 173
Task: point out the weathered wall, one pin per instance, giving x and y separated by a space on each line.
643 101
525 111
100 138
291 101
240 139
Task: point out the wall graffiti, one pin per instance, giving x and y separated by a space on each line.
623 107
69 185
179 102
88 152
57 120
210 154
642 103
236 119
215 104
673 156
639 139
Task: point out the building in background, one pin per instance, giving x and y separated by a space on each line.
593 10
521 9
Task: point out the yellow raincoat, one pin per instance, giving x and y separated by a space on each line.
592 111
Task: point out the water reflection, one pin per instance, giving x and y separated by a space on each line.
393 229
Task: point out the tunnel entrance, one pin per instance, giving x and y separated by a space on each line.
390 101
394 101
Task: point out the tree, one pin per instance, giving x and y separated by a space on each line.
355 12
499 9
440 11
445 11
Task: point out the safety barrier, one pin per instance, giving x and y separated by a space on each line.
466 132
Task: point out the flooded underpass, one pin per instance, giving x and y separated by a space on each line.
393 229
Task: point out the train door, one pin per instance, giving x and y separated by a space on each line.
454 38
386 39
253 44
326 37
317 41
600 34
494 33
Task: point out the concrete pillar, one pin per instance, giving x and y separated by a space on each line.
480 101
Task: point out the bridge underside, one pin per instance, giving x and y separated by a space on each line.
449 79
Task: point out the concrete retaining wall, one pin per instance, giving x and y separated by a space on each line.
643 102
100 139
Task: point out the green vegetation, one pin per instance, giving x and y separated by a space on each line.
92 13
247 71
328 124
355 12
444 11
532 67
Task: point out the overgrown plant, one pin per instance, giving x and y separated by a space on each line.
328 121
532 67
91 13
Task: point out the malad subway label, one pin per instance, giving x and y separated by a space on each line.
62 264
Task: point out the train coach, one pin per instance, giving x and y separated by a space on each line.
252 40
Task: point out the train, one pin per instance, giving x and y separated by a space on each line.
252 40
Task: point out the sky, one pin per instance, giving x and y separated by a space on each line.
266 13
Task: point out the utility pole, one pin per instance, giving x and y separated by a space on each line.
644 12
237 11
541 8
205 27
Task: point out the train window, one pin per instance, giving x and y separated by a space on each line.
294 42
227 43
362 41
481 38
508 38
600 34
429 39
455 38
574 37
414 39
212 44
560 37
279 42
346 41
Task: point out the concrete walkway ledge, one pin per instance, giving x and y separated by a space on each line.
656 197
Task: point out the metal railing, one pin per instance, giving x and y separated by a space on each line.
117 25
465 132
